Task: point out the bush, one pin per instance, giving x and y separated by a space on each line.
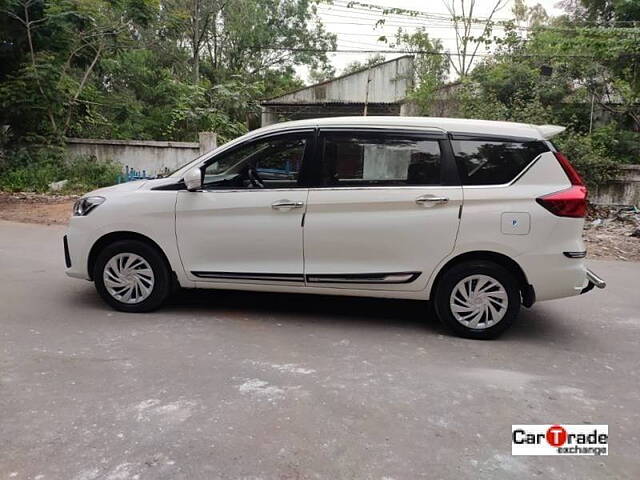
33 169
87 173
590 158
621 145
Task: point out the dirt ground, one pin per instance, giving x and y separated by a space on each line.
607 232
35 208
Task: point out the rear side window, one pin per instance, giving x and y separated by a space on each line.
494 162
377 159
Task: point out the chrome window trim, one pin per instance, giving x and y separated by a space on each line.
313 189
382 187
246 190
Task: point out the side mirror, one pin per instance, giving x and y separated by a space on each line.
193 179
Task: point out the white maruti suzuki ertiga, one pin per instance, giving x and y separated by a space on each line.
477 216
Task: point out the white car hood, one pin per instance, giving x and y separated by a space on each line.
119 188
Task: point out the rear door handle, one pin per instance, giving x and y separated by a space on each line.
430 200
285 204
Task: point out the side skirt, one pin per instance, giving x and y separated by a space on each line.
356 278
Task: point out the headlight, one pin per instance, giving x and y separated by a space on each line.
85 204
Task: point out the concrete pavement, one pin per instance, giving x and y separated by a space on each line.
236 385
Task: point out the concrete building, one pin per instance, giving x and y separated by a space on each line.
382 89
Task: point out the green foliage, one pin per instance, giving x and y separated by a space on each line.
369 62
601 63
562 72
149 69
591 159
478 102
621 145
35 168
430 71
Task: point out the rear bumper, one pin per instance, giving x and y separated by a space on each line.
593 280
553 275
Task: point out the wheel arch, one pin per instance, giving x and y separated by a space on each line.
112 237
526 289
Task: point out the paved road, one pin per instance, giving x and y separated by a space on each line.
233 385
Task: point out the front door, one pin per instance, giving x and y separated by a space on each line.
245 225
386 211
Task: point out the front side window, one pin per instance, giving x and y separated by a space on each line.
272 162
379 160
494 162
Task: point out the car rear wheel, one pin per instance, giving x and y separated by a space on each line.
477 299
132 276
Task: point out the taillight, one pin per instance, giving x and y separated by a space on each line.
566 203
574 176
571 202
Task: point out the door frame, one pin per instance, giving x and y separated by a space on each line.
257 278
450 179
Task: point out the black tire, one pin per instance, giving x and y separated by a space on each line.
456 274
162 277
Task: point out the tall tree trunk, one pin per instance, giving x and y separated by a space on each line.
27 24
196 42
80 88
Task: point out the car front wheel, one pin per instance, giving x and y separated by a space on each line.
477 299
132 276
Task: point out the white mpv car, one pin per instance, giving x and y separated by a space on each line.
477 216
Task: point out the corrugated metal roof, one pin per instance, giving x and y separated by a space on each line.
389 82
288 104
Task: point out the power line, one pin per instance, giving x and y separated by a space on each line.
428 52
372 8
427 27
569 29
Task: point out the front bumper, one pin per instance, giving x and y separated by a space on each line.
593 281
67 256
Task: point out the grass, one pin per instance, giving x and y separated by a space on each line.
33 171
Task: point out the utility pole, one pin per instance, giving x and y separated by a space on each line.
366 91
593 99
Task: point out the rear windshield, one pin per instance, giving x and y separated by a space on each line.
494 162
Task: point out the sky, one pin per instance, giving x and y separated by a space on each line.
356 30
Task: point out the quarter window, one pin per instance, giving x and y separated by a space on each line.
489 162
368 160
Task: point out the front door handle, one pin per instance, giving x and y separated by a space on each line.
430 200
285 204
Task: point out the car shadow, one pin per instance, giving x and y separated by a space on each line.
303 307
539 324
534 325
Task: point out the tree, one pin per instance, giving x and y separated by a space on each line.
468 44
322 74
603 64
65 41
368 63
149 68
431 65
462 16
